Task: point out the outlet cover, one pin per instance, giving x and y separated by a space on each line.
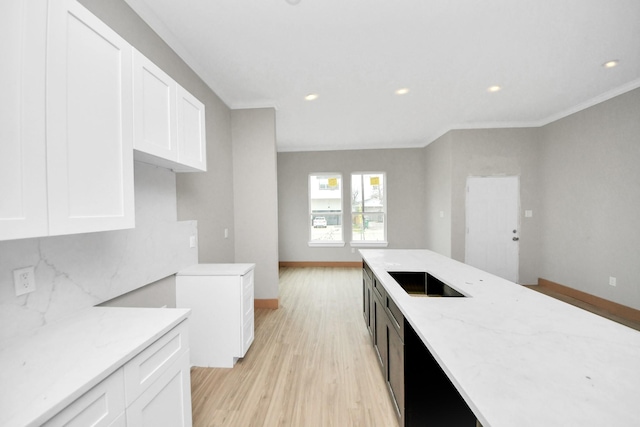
612 281
24 280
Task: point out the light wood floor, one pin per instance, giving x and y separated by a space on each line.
311 363
586 306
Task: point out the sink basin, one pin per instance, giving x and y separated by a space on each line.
421 283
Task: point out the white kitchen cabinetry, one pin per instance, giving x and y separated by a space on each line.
89 123
154 108
152 389
103 405
169 122
23 180
220 297
66 158
192 139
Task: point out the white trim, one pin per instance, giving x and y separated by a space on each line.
363 244
325 244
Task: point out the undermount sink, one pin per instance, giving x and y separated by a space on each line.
421 283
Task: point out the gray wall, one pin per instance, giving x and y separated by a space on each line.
579 176
590 173
256 196
481 152
438 213
495 152
405 198
205 197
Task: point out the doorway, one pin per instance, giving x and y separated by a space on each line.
492 225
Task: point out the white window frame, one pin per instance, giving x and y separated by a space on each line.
364 243
340 215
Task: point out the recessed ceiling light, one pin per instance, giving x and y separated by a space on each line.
495 88
311 97
610 64
402 91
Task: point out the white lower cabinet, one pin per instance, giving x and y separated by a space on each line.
152 389
167 402
221 299
103 405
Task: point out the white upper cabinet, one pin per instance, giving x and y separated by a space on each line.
169 122
89 123
154 94
192 139
23 185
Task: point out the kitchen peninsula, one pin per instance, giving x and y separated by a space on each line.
516 357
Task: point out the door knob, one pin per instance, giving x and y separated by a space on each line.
515 239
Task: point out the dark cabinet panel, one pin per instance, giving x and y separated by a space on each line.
422 393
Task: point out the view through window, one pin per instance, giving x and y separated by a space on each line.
325 207
368 207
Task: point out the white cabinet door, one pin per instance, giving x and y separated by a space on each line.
167 402
23 197
192 140
89 123
154 103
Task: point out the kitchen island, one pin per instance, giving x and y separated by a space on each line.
517 357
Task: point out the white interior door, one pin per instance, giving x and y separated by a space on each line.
492 216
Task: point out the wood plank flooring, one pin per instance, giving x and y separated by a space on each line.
311 363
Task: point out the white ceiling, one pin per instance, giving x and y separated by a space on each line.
547 56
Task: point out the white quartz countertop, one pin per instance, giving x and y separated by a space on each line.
217 270
45 370
518 357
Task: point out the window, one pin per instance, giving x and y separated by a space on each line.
368 209
325 210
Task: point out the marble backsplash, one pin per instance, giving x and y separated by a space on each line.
79 271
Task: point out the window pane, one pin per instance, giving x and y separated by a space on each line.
325 205
368 227
373 192
368 208
327 227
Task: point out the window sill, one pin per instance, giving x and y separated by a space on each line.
328 244
359 244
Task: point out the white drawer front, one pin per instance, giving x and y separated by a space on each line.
247 281
247 336
152 362
100 406
167 402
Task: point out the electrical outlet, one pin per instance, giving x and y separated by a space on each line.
612 281
192 241
24 280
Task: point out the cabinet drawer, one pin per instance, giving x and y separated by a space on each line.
396 319
247 282
379 289
167 401
100 406
367 270
247 336
247 304
152 362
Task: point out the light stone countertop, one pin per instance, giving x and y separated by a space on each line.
46 369
216 270
518 357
